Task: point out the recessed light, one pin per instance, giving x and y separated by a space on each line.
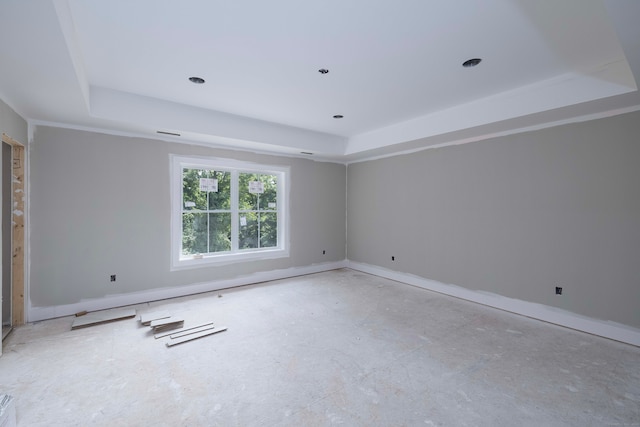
196 80
471 62
323 71
338 116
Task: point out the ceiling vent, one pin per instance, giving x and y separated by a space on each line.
469 63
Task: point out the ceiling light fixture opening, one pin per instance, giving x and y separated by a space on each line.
323 71
338 116
196 80
471 62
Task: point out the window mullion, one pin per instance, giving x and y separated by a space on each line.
258 215
208 225
235 227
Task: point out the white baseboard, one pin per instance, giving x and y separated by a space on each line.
35 314
611 330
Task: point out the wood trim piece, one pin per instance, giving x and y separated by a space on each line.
195 331
180 332
166 324
101 317
147 318
206 333
17 230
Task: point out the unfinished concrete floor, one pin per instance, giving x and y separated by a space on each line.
339 347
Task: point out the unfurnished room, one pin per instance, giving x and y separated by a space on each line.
294 213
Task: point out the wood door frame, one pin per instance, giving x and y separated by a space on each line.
18 212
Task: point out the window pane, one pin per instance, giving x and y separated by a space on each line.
192 197
194 233
219 232
222 198
248 200
268 230
248 236
268 199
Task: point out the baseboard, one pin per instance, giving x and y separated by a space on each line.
606 329
35 314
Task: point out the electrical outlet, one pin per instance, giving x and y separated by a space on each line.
323 252
113 277
393 258
558 290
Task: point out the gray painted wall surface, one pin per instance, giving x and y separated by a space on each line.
515 215
100 206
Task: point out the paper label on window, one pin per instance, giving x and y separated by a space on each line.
256 187
189 204
243 221
272 205
209 184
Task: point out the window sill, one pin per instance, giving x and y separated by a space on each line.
214 260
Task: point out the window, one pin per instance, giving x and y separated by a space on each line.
227 211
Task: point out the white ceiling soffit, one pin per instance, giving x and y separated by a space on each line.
395 68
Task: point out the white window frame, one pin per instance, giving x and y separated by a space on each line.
179 261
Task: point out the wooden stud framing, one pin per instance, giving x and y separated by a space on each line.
17 220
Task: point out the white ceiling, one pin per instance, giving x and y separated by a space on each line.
395 69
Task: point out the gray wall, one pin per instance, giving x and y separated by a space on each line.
515 215
100 206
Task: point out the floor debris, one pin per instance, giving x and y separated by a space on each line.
7 411
166 324
186 331
195 336
147 318
101 317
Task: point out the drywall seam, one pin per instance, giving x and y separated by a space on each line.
606 329
112 301
67 26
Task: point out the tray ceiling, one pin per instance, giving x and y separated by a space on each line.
395 69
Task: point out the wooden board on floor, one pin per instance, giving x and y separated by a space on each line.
191 330
166 324
101 317
191 337
147 318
